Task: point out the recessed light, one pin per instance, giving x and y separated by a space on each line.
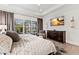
38 4
40 10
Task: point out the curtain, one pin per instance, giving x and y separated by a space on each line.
7 18
40 24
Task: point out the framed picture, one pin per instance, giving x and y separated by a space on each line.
57 21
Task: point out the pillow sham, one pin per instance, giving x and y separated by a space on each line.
14 35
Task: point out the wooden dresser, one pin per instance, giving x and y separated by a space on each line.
57 35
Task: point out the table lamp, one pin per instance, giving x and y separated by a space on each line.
3 29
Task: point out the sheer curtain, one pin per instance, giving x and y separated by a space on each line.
7 18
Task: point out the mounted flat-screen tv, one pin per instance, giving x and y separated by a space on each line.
57 21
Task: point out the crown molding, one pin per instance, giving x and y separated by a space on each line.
18 10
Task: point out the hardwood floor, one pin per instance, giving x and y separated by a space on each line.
69 48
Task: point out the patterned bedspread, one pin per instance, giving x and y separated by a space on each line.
5 44
32 45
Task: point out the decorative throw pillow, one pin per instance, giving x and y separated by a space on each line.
14 35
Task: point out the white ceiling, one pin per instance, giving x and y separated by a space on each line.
30 9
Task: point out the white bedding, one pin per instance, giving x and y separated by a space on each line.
32 45
5 44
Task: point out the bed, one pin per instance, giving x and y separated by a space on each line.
29 45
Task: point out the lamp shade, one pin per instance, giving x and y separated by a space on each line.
3 28
0 26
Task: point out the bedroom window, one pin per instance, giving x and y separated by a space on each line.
19 26
25 26
33 27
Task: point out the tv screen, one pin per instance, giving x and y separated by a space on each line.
57 21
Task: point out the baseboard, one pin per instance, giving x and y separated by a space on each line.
73 42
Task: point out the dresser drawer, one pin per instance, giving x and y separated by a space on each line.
56 35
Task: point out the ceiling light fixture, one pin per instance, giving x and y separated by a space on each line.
40 10
38 4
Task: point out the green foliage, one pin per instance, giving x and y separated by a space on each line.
19 28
